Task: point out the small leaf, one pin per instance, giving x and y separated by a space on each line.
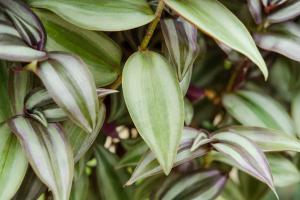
110 181
79 139
14 49
268 140
13 163
185 83
60 75
97 50
189 111
103 15
48 152
254 109
102 92
286 13
255 9
204 185
206 15
181 41
148 165
26 22
245 155
155 104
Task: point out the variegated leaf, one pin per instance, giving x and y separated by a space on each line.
13 163
155 103
26 22
205 185
148 165
213 18
72 87
110 181
245 155
79 139
254 109
101 15
288 12
255 9
268 140
181 41
48 152
97 50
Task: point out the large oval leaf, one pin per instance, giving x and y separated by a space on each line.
214 19
102 15
98 51
72 87
48 152
155 103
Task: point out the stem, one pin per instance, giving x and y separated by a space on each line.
235 75
152 26
117 83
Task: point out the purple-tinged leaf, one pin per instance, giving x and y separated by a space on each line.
205 185
245 155
48 152
181 41
148 165
288 12
26 22
71 85
255 10
6 28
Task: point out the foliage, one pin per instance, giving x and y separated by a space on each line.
149 99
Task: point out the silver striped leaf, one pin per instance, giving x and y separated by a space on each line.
288 12
72 87
49 153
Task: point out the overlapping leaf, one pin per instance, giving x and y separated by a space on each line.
288 12
102 15
254 109
110 181
79 139
72 87
181 41
148 165
255 9
80 188
48 152
98 51
214 19
5 106
155 104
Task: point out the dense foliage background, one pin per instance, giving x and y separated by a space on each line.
157 99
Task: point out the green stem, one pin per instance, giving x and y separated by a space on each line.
152 26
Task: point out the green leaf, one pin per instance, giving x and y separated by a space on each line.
98 51
79 139
148 165
254 109
189 111
101 15
5 105
284 172
80 188
13 163
110 181
268 140
155 104
185 83
296 112
204 185
213 18
13 48
48 152
245 155
60 75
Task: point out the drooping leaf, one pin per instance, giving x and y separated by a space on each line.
207 15
155 104
79 139
245 155
181 41
204 185
110 181
13 163
98 51
101 15
284 172
285 40
255 9
254 109
288 12
48 152
72 87
13 48
268 140
149 166
26 22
